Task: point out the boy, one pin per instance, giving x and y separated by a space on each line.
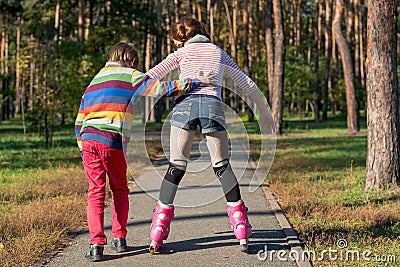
105 111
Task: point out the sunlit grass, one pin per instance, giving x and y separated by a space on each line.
318 177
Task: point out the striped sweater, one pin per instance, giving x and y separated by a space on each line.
199 55
106 106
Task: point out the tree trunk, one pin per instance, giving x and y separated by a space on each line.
168 22
145 58
349 22
383 157
291 25
277 106
158 109
260 32
317 93
352 109
18 97
45 107
269 44
81 25
334 53
57 36
362 51
328 49
298 25
356 42
232 37
310 30
251 41
245 51
320 28
6 78
234 25
23 103
208 13
199 13
90 18
57 22
32 52
212 12
149 101
168 18
176 10
228 94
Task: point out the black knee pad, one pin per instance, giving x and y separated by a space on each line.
175 173
170 183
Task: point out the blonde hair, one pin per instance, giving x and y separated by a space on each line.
186 28
124 53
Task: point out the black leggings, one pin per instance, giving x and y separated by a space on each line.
175 174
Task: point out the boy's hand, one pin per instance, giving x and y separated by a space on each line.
207 80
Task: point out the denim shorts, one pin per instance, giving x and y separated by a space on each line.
205 111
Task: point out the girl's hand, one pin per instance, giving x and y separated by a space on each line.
208 80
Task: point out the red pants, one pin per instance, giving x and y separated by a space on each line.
99 160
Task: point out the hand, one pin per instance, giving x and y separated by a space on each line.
207 80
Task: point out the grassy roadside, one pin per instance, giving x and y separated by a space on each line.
42 193
318 177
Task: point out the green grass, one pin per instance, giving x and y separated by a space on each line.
318 176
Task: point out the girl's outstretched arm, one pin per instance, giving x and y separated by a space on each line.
237 75
169 64
252 91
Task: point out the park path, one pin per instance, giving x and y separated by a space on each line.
200 236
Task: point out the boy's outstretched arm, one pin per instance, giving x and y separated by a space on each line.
147 86
78 124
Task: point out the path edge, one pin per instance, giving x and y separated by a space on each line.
290 233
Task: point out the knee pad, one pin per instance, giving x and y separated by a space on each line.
220 170
171 182
175 173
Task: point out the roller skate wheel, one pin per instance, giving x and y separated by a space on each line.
154 247
244 245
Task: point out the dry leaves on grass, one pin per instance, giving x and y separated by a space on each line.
30 230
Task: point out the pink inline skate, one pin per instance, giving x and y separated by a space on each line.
159 229
240 224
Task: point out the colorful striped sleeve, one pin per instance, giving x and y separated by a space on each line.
147 86
78 124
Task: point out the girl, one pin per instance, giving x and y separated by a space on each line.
202 107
